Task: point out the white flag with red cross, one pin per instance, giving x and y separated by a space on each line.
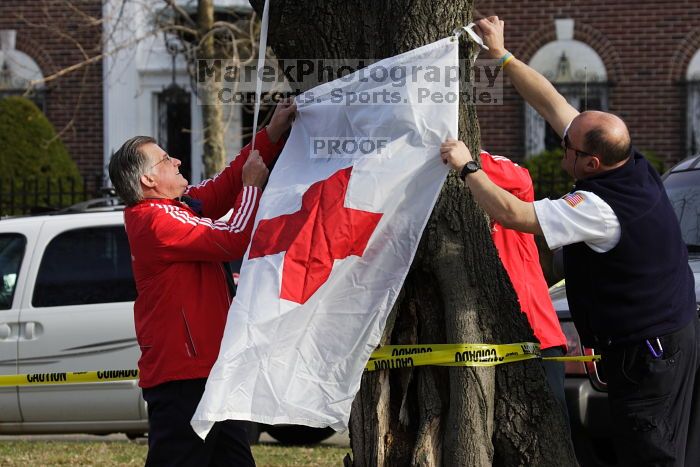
338 226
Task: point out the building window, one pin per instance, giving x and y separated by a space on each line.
18 70
693 89
578 73
175 125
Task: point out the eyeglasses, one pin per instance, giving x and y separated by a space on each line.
166 158
566 144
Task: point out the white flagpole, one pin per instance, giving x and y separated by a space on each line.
261 64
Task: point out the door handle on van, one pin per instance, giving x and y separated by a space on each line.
29 330
5 331
32 330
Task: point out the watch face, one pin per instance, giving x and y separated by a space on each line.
469 168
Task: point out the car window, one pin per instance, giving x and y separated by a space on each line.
85 266
11 253
683 190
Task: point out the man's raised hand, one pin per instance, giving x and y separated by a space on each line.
282 119
254 171
455 153
491 30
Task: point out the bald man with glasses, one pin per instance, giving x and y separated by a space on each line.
630 289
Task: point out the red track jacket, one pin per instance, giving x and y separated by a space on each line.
519 255
183 298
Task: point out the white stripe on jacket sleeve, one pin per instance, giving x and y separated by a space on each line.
238 224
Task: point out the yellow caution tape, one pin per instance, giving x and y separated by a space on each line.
68 378
578 358
385 358
407 356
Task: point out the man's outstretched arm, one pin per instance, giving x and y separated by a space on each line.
507 209
531 85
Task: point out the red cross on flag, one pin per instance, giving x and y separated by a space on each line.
312 238
338 226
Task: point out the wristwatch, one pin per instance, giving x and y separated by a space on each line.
469 168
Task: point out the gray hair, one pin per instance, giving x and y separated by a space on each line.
126 167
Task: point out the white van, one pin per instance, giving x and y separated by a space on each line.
66 305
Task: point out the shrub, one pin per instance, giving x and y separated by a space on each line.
31 153
547 175
654 160
552 182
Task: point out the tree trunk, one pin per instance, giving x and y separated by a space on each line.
214 156
457 290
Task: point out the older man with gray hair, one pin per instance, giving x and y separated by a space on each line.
180 253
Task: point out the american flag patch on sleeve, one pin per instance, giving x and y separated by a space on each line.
574 199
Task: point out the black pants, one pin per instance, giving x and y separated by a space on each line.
554 372
653 400
171 440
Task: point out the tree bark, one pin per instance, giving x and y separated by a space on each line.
457 290
214 156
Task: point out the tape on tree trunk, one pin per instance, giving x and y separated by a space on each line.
387 357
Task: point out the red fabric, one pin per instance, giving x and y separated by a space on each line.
183 298
322 231
518 253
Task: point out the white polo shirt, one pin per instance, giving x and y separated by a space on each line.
581 216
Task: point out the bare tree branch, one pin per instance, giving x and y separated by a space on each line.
91 60
90 20
178 28
235 40
225 24
57 32
181 11
70 125
108 39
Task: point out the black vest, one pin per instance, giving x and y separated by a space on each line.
643 287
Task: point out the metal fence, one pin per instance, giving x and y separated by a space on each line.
45 194
35 195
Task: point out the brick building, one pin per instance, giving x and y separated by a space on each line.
650 75
48 35
639 59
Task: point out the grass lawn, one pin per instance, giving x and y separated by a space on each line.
118 453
